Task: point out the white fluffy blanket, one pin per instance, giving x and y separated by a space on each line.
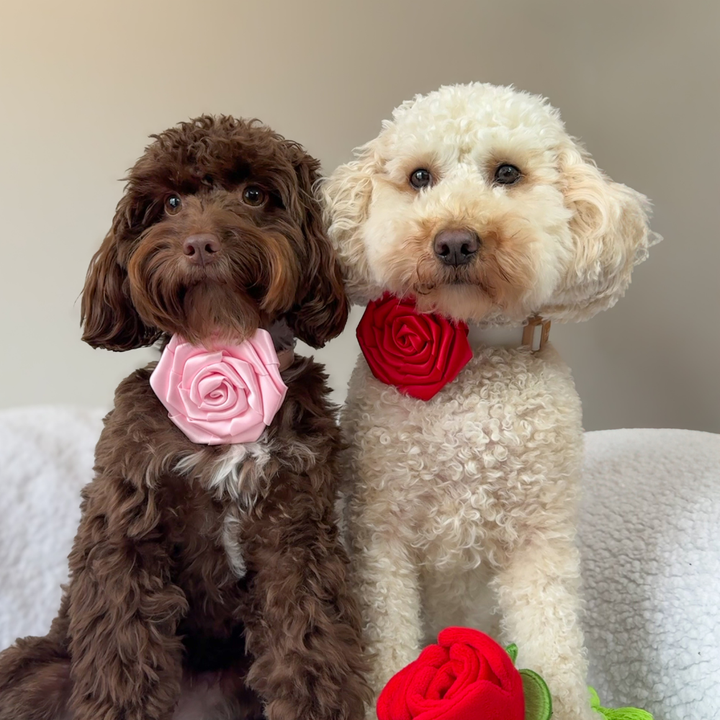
46 456
650 538
649 535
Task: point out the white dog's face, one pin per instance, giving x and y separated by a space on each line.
475 200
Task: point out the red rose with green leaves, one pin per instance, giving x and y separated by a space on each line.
466 676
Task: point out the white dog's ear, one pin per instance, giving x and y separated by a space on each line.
347 195
610 235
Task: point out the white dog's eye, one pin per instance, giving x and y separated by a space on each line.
506 174
420 178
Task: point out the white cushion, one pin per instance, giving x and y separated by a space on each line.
648 534
46 456
651 567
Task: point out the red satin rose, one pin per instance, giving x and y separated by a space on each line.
466 676
417 353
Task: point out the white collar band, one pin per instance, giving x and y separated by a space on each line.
534 334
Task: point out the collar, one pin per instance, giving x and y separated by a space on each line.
286 358
421 353
534 334
284 343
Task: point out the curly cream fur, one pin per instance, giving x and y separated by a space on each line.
466 503
571 236
461 510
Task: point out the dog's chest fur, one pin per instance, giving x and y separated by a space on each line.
457 476
199 498
234 478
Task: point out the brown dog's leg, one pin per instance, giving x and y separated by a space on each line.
34 679
124 610
35 674
303 628
126 658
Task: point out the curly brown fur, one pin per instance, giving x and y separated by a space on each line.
274 259
159 619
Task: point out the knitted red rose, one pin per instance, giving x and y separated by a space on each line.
417 353
466 676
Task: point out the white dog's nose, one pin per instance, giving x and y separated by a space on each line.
456 247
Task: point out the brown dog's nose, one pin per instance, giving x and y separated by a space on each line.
201 249
456 247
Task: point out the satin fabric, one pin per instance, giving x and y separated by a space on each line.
222 396
417 353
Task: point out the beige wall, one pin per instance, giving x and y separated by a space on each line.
83 83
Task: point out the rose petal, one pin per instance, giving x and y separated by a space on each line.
230 401
179 351
246 429
198 431
196 363
410 346
193 404
263 345
384 310
418 353
247 375
217 393
272 396
410 325
173 399
467 676
500 666
212 378
229 394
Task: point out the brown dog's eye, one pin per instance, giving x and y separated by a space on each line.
420 178
173 205
254 195
506 174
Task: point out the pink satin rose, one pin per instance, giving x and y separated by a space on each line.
221 396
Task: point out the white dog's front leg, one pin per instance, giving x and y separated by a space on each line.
538 592
386 584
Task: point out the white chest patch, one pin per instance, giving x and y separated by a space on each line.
234 474
235 477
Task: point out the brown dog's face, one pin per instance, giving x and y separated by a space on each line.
218 233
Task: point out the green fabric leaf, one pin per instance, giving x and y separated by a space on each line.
628 713
512 651
538 703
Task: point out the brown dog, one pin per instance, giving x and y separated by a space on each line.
206 581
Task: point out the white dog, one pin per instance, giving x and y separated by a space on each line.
476 204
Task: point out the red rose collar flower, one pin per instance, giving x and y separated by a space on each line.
417 353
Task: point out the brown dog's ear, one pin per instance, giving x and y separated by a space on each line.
321 307
107 315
